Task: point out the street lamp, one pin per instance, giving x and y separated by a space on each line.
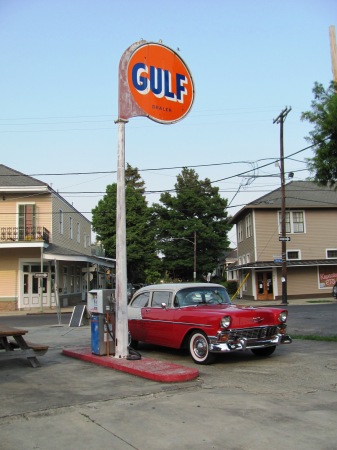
194 242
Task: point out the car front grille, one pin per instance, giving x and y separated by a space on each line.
253 333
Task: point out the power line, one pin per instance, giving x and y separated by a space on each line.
171 168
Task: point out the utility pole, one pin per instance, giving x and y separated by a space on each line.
280 119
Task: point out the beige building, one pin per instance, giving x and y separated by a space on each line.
45 248
311 251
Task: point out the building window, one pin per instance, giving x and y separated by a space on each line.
240 232
27 221
78 232
293 254
294 221
248 221
298 222
248 258
71 231
72 279
61 221
85 240
78 279
331 253
65 280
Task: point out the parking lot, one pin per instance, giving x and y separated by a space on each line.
241 402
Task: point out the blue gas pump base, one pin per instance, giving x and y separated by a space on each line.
149 368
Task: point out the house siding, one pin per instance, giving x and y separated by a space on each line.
9 209
267 242
9 273
64 239
246 246
321 227
310 271
302 282
320 234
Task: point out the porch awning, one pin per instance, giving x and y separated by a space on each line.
290 263
55 252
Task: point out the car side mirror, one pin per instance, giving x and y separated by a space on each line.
164 305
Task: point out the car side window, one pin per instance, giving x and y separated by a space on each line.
179 299
141 300
159 297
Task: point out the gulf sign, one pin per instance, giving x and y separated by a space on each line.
160 83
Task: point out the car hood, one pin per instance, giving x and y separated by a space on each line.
241 316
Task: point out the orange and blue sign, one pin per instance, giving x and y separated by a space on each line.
160 83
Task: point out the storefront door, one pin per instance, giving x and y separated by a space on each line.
37 290
264 285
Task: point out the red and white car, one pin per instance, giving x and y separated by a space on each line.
202 318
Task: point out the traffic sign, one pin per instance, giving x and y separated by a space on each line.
41 275
284 238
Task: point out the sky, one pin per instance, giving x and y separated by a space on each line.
249 60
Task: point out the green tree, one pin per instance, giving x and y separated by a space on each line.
196 207
323 115
139 233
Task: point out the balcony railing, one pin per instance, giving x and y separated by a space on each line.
18 234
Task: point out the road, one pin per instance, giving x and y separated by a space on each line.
318 319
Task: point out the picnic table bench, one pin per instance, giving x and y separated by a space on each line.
13 345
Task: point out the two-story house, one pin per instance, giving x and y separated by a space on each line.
311 249
45 248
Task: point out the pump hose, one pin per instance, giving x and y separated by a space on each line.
133 354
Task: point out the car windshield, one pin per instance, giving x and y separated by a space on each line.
202 295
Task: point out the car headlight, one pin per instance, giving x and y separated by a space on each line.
225 321
283 316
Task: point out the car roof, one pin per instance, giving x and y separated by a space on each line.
175 287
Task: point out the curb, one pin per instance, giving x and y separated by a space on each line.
145 367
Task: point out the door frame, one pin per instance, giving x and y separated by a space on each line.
30 300
264 285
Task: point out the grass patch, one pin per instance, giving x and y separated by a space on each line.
314 337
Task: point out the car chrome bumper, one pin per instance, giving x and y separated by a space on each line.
245 344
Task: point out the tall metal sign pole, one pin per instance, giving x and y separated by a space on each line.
280 119
153 81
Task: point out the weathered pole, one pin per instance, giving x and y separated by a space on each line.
121 332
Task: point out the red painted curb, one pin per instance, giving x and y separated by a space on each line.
145 367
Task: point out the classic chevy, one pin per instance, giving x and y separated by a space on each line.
201 317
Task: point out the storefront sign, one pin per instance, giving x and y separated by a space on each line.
160 83
327 277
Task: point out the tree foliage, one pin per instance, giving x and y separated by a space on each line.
139 232
196 207
323 115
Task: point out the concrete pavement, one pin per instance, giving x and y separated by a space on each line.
239 403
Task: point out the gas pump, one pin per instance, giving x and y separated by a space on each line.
101 305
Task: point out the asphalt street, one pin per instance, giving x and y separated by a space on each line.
241 402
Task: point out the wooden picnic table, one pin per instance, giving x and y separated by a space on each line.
13 345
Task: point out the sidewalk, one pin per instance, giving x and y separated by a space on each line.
278 303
